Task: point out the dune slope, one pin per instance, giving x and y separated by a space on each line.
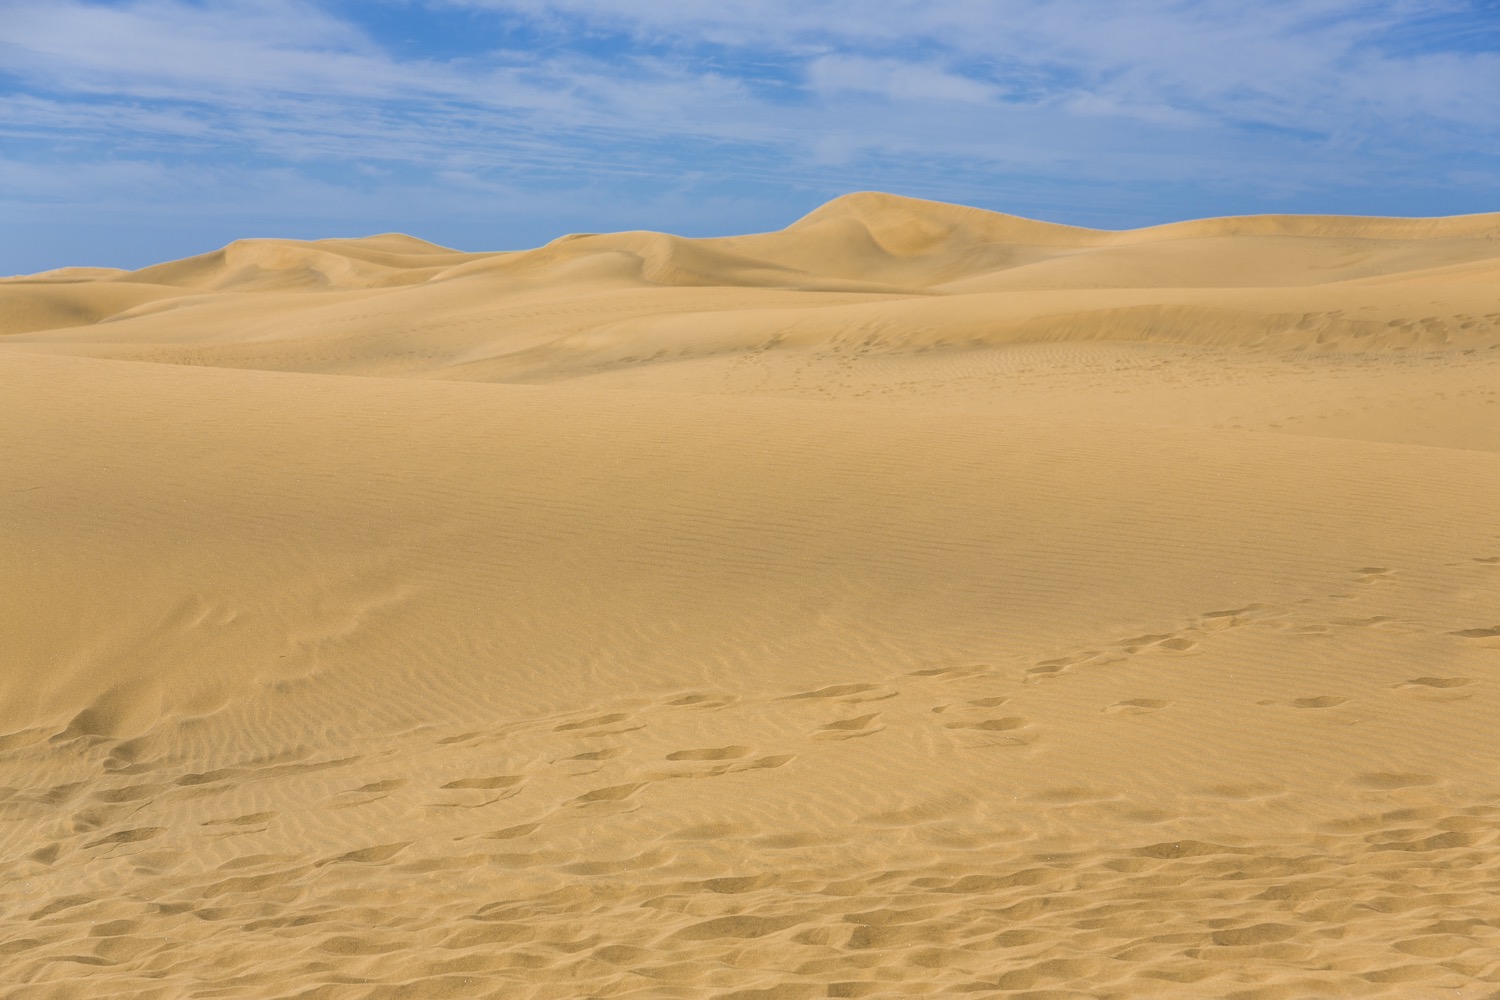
915 601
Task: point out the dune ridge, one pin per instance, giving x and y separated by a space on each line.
915 601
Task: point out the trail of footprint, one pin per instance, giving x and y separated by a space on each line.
1167 642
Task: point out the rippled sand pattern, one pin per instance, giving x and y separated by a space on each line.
913 602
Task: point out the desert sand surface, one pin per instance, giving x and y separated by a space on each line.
916 601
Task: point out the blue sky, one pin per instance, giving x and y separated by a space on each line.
142 130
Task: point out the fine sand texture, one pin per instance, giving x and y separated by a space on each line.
916 601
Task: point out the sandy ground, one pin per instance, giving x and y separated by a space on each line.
917 601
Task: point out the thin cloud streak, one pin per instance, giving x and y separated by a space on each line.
1106 113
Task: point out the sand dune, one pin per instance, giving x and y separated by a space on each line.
915 601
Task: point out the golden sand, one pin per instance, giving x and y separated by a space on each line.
917 601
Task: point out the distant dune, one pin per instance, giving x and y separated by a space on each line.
915 601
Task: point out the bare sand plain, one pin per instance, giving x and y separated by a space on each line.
917 601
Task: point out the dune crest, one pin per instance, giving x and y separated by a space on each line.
914 601
964 278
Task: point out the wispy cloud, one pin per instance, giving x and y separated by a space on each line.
1071 107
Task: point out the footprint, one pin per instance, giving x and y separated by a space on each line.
500 781
1004 733
993 725
57 794
950 673
734 885
1484 636
246 820
129 836
460 738
1061 663
366 855
766 763
719 753
833 691
599 720
1244 792
1306 629
1144 640
136 756
848 729
1372 574
130 793
1388 780
1233 618
608 753
1137 706
1371 622
701 701
1255 934
1072 795
613 793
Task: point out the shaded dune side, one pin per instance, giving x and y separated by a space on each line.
244 265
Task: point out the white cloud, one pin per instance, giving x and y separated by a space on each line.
976 100
247 65
156 46
1306 63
